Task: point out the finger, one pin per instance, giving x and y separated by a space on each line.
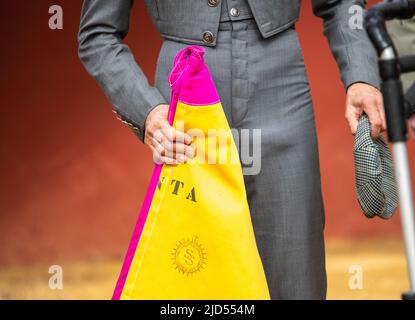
177 151
173 135
157 157
370 108
160 159
182 137
158 135
161 141
170 143
170 149
158 147
161 149
178 148
169 133
352 117
171 161
381 109
189 151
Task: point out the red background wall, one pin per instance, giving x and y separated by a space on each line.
73 177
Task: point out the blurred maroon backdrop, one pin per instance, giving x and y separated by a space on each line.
73 177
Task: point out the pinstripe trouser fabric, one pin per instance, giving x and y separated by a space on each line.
263 85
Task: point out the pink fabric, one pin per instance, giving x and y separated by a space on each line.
190 78
187 78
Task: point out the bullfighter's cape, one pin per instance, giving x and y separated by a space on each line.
194 237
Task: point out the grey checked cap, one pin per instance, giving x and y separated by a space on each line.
375 178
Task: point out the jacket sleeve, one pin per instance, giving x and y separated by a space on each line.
104 24
351 47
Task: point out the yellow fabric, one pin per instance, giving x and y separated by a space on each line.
198 241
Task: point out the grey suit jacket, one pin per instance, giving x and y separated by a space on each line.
104 24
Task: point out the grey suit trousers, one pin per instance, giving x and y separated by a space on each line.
263 85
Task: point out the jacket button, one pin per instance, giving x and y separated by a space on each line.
234 12
207 37
213 3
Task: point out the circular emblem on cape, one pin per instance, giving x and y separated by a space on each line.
189 256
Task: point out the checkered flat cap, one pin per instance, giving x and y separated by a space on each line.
375 178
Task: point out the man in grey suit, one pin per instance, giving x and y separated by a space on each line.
253 53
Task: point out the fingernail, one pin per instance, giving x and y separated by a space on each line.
190 152
188 139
